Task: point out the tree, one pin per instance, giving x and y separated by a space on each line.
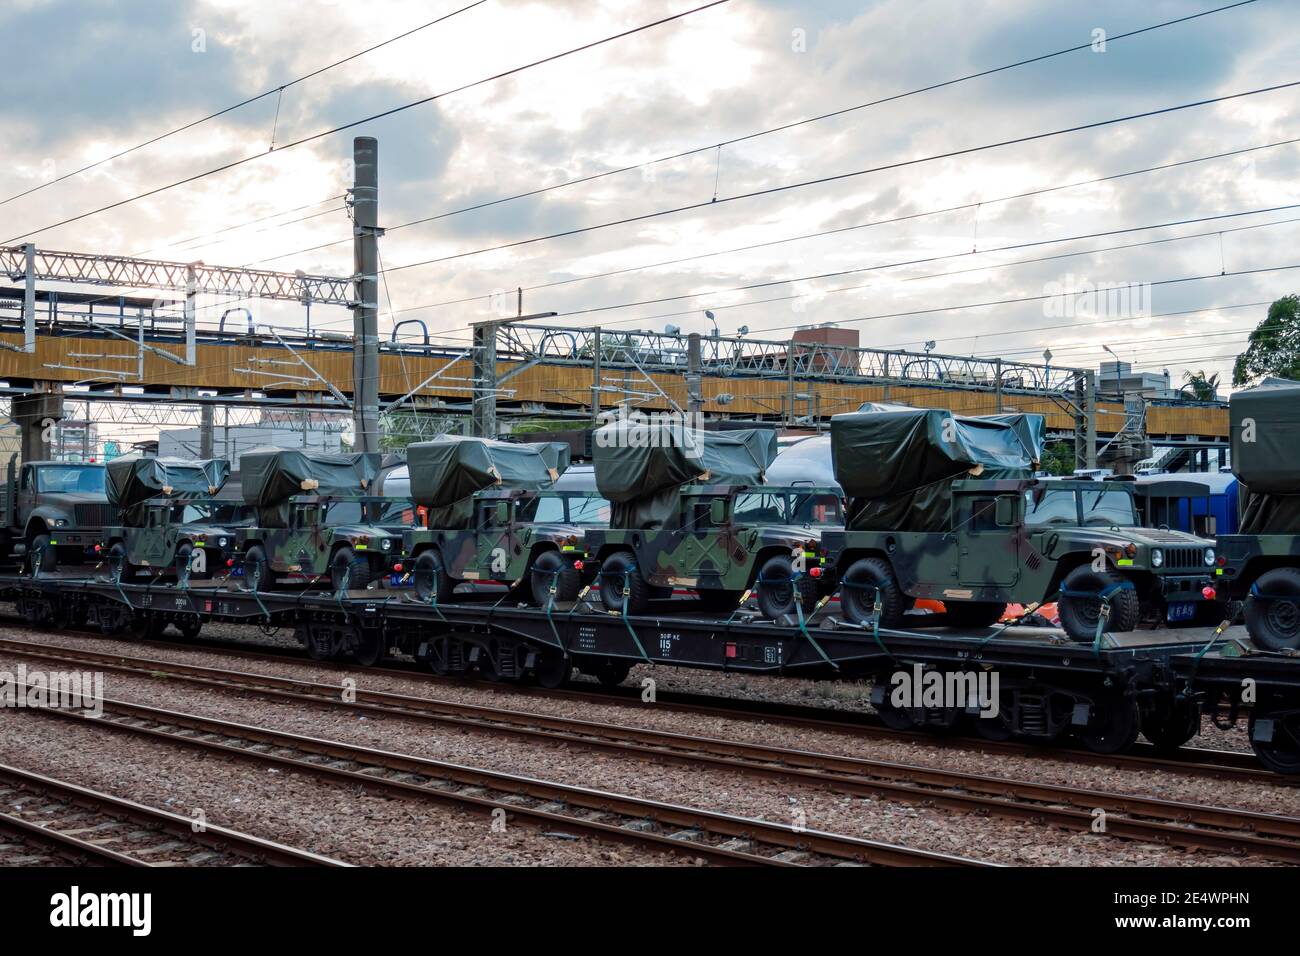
1058 459
1274 347
1199 387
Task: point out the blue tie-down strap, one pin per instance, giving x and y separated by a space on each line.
627 594
1103 616
798 609
551 591
877 608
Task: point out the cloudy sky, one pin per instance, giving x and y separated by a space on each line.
90 79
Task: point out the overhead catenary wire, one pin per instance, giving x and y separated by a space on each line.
276 90
695 150
366 119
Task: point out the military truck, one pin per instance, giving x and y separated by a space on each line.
315 522
163 505
945 507
689 510
54 512
491 514
1260 564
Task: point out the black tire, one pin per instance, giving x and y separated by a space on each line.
370 647
258 574
183 554
1114 726
48 554
1079 614
549 568
858 593
431 579
1273 618
779 589
347 568
1168 728
719 600
616 571
118 563
973 613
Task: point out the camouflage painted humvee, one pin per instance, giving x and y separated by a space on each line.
516 536
175 539
344 542
1020 542
722 541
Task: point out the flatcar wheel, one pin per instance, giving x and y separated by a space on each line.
1170 729
190 629
369 648
553 671
1114 726
895 718
1275 737
489 665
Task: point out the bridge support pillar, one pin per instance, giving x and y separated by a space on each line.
35 416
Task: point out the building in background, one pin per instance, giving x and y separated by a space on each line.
314 431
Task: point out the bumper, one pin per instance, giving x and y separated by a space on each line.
1186 587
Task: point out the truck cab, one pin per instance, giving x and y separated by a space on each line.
345 542
722 541
1027 541
55 513
519 537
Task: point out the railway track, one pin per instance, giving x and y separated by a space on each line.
712 837
49 822
1199 762
1128 816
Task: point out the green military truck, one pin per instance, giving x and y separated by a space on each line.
163 506
1260 564
490 514
54 513
945 507
316 524
689 510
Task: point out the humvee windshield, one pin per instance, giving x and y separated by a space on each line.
61 479
789 507
395 512
566 509
1092 506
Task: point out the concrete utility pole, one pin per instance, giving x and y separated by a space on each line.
694 376
365 317
1085 422
207 426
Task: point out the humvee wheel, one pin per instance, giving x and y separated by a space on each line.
973 613
617 571
1275 737
550 569
1273 615
46 552
346 569
1168 729
778 589
118 563
1114 726
1079 615
257 569
858 589
431 579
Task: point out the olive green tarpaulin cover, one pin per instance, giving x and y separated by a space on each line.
446 472
1265 428
269 477
897 466
641 467
135 479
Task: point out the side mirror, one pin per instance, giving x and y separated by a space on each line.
503 512
717 512
1007 511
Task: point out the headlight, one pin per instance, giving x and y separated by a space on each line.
1209 557
1157 557
60 523
223 542
387 545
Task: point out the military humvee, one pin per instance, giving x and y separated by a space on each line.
943 507
490 514
1260 564
333 533
689 510
724 540
1022 541
164 530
